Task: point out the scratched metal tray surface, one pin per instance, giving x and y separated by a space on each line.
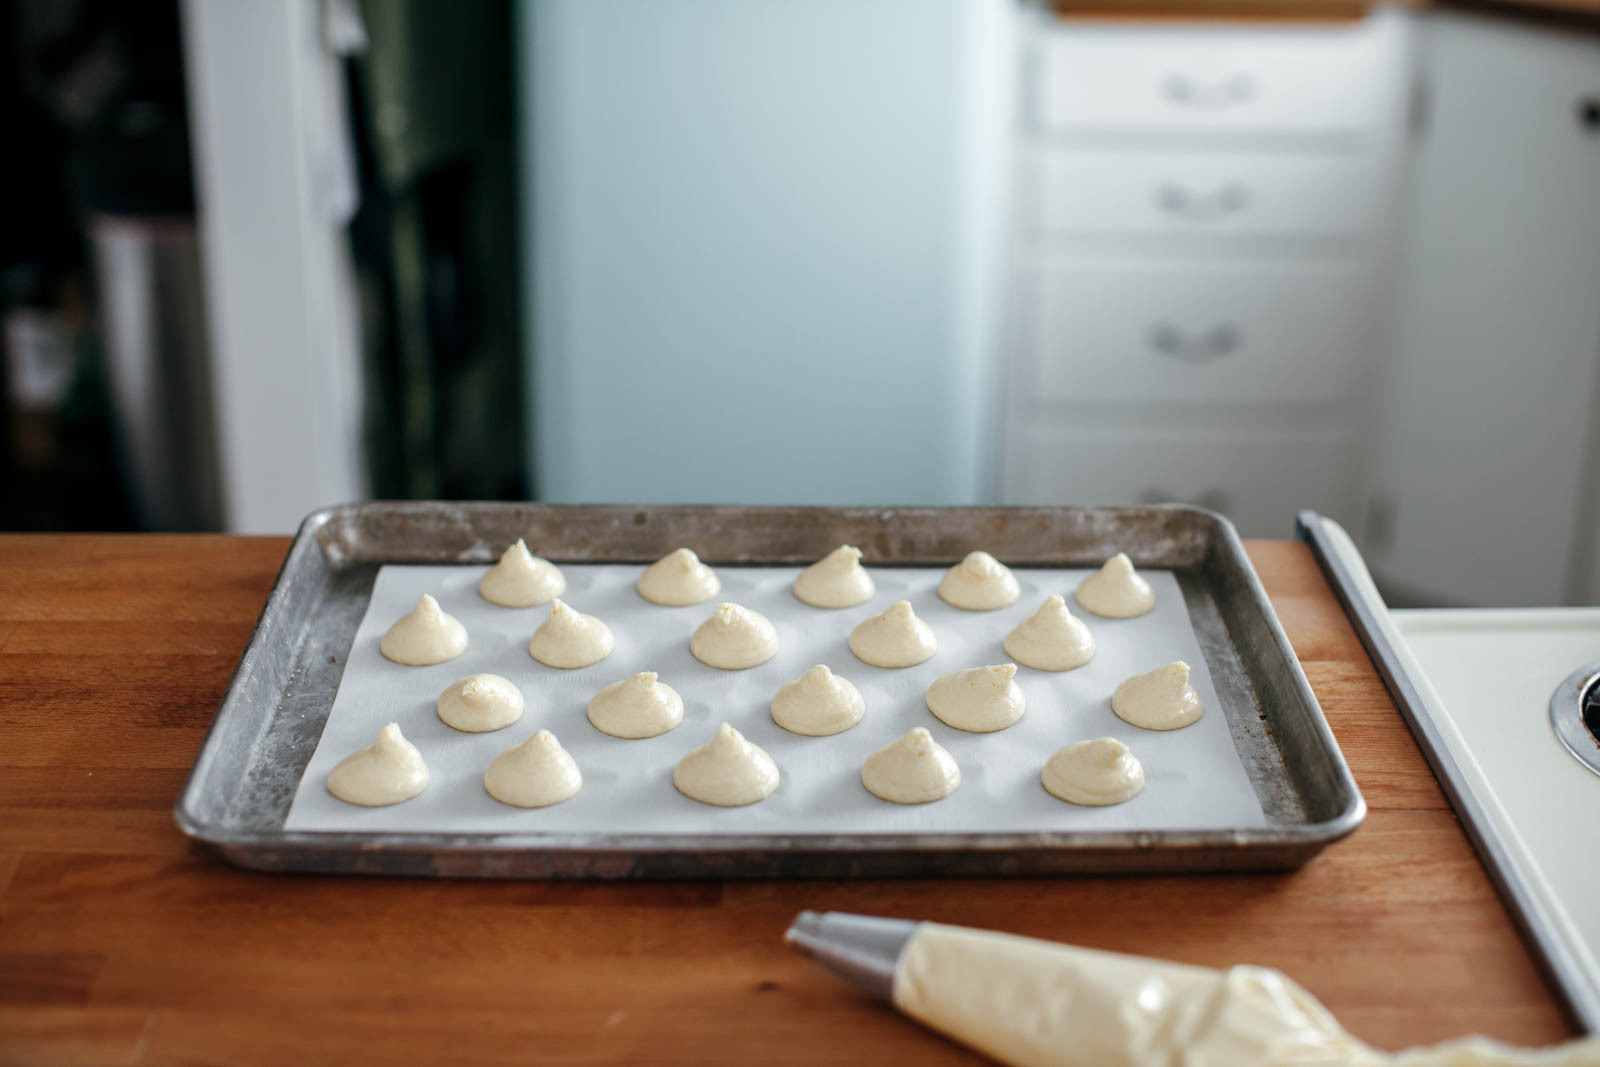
273 712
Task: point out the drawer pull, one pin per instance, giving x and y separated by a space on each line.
1202 347
1229 199
1213 96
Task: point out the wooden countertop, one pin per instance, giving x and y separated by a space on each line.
121 943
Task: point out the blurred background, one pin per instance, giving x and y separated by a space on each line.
263 257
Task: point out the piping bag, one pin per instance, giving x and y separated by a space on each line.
1042 1004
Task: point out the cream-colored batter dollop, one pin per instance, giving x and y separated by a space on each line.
1094 773
837 580
640 706
1116 590
734 639
479 703
521 579
1051 639
1041 1004
390 771
913 770
569 639
896 638
534 774
678 579
1161 699
979 583
727 771
424 636
979 700
818 703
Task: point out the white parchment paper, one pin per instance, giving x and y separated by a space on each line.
1194 778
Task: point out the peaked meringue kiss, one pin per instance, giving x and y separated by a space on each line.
570 639
1116 590
1161 699
1051 639
896 638
678 579
480 703
390 771
521 579
424 636
734 638
837 580
636 707
818 703
979 700
1094 773
534 774
913 770
726 772
979 583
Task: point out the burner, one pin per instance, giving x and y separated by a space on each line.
1575 714
1591 709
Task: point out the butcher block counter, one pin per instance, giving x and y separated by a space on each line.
120 942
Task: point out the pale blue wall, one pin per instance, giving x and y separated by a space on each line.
763 240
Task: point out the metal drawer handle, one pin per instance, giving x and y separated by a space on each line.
1209 96
1203 347
1229 199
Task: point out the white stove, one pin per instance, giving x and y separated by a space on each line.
1495 698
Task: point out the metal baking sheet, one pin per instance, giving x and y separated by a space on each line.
278 702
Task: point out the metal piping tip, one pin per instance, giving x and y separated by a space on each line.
861 949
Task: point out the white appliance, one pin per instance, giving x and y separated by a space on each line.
763 247
1494 698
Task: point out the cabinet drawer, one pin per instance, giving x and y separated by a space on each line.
1340 81
1217 333
1173 194
1256 479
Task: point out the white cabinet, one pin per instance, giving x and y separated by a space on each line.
1483 486
1188 194
1249 81
1242 472
1198 265
1235 333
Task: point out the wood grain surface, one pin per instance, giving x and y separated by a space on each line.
122 943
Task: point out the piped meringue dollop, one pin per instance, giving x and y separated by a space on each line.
818 703
896 638
569 639
979 700
639 706
734 638
479 703
837 580
1116 590
521 579
1051 639
424 636
913 770
390 771
534 774
979 583
678 579
1161 699
727 771
1094 773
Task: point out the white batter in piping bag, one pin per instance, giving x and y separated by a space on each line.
1042 1004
